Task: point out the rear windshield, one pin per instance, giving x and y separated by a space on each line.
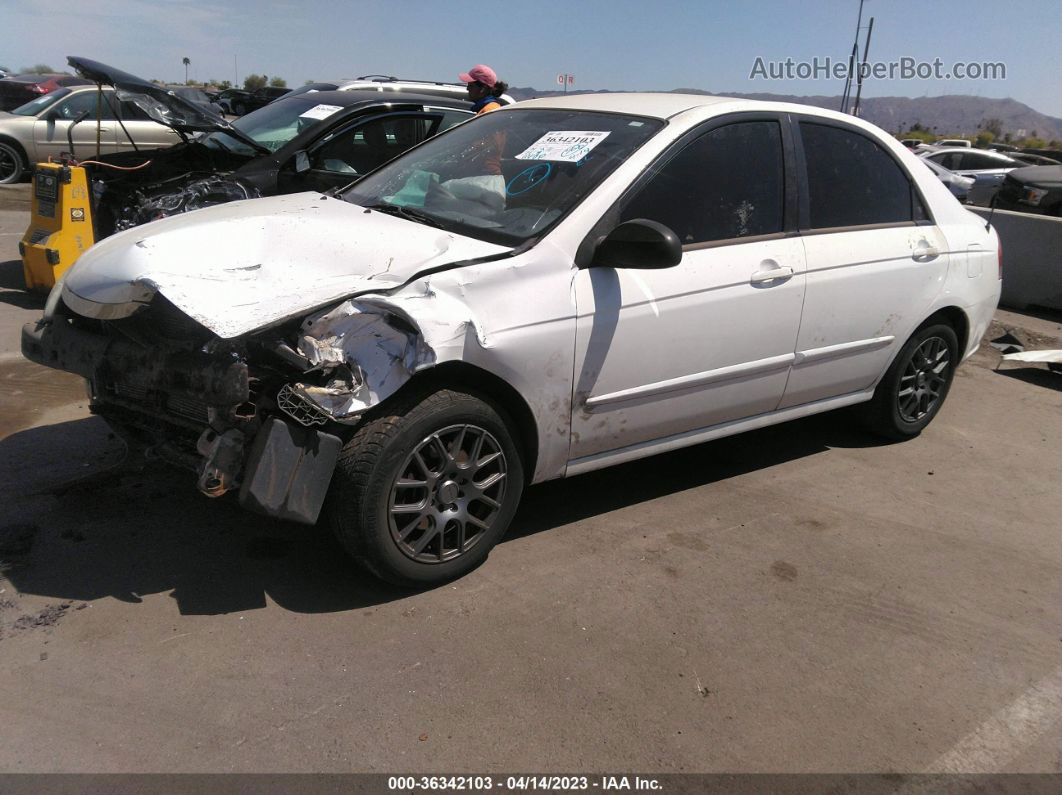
505 176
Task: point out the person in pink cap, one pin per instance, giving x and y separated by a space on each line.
484 88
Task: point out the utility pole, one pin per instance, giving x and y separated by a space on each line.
853 62
859 81
235 73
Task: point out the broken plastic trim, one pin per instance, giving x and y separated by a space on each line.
369 347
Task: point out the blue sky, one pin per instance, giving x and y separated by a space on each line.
620 44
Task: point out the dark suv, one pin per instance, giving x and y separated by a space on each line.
1036 189
238 102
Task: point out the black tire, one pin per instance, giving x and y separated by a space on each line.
381 518
12 165
916 383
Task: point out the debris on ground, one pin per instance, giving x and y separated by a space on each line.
1008 343
1052 358
48 617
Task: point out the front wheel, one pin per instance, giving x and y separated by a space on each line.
916 383
11 167
422 492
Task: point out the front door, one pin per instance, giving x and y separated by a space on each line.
51 132
660 353
343 155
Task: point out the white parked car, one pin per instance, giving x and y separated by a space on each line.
953 142
542 291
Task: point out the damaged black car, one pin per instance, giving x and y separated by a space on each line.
310 141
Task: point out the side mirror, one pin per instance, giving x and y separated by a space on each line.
302 161
638 243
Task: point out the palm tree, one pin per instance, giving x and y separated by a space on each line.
185 61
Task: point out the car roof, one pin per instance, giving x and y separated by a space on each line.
371 96
657 105
968 150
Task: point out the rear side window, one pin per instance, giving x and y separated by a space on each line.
977 160
726 184
852 181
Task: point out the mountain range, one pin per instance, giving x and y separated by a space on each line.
952 114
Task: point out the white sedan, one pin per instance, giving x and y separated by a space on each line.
548 289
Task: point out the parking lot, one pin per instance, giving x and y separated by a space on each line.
802 598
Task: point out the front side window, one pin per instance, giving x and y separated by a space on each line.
852 181
364 147
728 183
69 109
505 176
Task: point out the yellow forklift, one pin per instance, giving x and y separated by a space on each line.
60 228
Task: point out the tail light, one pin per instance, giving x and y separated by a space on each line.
999 248
38 88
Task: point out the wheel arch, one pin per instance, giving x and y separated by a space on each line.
955 317
19 149
456 374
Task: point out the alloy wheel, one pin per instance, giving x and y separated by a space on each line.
8 164
924 379
448 493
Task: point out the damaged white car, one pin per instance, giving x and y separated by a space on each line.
545 290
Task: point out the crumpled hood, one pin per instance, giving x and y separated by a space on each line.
247 264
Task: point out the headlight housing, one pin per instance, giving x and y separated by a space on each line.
1033 195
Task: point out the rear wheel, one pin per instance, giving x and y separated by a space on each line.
423 492
916 384
11 166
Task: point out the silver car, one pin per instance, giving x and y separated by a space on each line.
41 129
958 185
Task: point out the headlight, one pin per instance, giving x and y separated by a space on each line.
1033 195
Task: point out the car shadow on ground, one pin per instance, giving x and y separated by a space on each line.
13 287
126 534
1036 376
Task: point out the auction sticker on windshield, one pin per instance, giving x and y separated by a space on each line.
569 146
320 111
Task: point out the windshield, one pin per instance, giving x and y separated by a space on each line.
506 176
35 106
274 125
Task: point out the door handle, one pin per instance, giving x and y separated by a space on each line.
771 274
925 253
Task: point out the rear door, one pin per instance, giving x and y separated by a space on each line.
875 260
50 131
146 133
665 352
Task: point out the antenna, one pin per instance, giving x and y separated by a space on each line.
991 210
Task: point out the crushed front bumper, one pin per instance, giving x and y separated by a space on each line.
196 410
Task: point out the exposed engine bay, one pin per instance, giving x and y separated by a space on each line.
147 186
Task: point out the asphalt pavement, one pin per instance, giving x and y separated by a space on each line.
803 598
